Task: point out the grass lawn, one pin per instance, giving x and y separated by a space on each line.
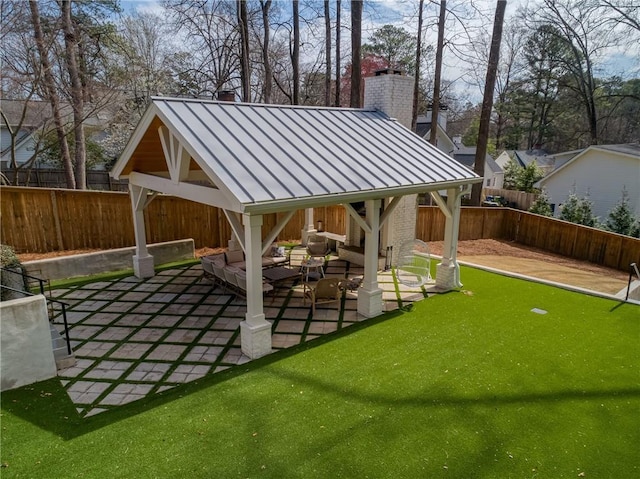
468 385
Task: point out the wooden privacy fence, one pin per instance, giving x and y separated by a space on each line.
39 220
519 199
56 178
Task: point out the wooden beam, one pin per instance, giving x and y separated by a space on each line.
276 230
200 194
354 214
389 209
236 226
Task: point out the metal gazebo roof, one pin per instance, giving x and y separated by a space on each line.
271 157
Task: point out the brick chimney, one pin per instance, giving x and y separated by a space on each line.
391 92
226 95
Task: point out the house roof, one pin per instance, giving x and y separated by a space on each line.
36 112
268 157
628 149
524 157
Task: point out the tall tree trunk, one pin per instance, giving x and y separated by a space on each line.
416 83
435 108
268 74
52 94
327 40
77 95
337 102
243 23
295 57
356 47
487 102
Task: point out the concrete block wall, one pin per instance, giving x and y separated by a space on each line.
26 354
86 264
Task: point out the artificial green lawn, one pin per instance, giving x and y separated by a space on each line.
468 384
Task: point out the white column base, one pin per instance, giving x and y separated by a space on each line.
448 276
305 234
370 302
255 339
143 266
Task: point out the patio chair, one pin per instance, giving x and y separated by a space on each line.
207 270
318 247
231 278
325 290
218 271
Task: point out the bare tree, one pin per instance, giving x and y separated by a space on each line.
213 41
435 106
337 92
245 75
52 94
267 86
588 35
295 53
77 95
356 51
327 39
487 101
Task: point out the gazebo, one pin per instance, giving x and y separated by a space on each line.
255 159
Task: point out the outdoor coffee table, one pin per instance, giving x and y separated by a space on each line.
279 274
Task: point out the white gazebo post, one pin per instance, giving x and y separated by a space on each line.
369 295
142 260
255 330
309 227
448 271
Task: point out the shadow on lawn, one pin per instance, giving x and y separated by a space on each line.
446 401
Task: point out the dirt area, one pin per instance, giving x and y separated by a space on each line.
501 255
516 258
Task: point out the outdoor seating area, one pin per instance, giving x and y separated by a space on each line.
133 338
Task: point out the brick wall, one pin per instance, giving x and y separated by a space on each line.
393 94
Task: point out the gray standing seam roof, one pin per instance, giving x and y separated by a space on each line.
266 153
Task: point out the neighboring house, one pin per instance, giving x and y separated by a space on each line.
35 118
38 120
544 161
423 128
600 171
492 172
466 155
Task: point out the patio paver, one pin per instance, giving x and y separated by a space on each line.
133 338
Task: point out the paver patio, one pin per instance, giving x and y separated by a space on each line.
133 338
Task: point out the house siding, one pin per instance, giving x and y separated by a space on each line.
600 174
23 152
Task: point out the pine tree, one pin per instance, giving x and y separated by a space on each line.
620 219
541 205
529 176
585 212
569 210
